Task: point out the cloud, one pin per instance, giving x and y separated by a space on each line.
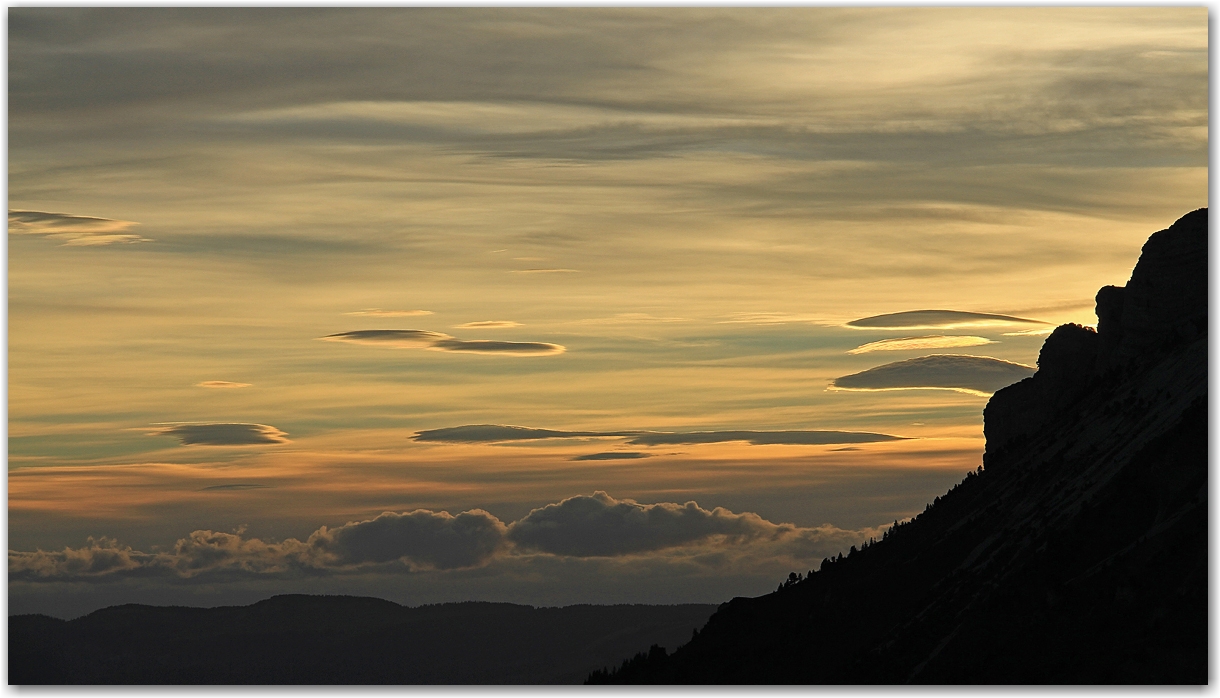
223 434
946 319
435 540
439 341
613 455
75 231
1031 333
378 312
599 525
487 324
627 319
769 318
490 433
979 375
576 528
922 343
761 438
221 384
544 271
234 487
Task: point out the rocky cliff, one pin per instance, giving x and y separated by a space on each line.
1078 555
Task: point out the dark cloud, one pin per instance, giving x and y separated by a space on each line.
490 433
916 319
439 341
600 525
223 434
761 438
234 487
424 538
614 455
76 231
976 374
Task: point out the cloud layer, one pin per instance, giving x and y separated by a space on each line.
221 384
946 319
378 312
974 374
922 343
487 325
75 231
223 434
491 433
439 341
583 526
614 455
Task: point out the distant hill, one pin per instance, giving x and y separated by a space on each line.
1077 556
339 640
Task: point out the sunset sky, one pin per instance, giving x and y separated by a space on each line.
280 279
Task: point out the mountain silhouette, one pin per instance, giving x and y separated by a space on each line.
298 639
1078 555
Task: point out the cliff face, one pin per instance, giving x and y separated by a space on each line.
1079 555
1162 307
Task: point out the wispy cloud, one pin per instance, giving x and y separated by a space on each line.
628 319
770 318
75 231
487 325
614 455
1031 333
378 312
221 384
439 341
761 438
979 375
921 343
236 487
492 433
937 319
222 434
544 271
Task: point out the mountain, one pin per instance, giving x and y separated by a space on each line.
1076 555
297 639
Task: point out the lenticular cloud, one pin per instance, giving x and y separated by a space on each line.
439 341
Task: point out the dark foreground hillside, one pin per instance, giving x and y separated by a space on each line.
339 640
1079 555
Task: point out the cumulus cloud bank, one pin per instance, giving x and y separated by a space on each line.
439 341
947 319
584 526
223 434
76 231
980 375
921 343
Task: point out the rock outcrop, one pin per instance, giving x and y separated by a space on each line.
1163 306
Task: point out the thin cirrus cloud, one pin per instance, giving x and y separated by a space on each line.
922 343
937 319
378 312
978 375
544 271
487 325
222 434
74 230
221 384
583 526
439 341
235 487
492 433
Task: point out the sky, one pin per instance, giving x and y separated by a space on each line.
548 305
